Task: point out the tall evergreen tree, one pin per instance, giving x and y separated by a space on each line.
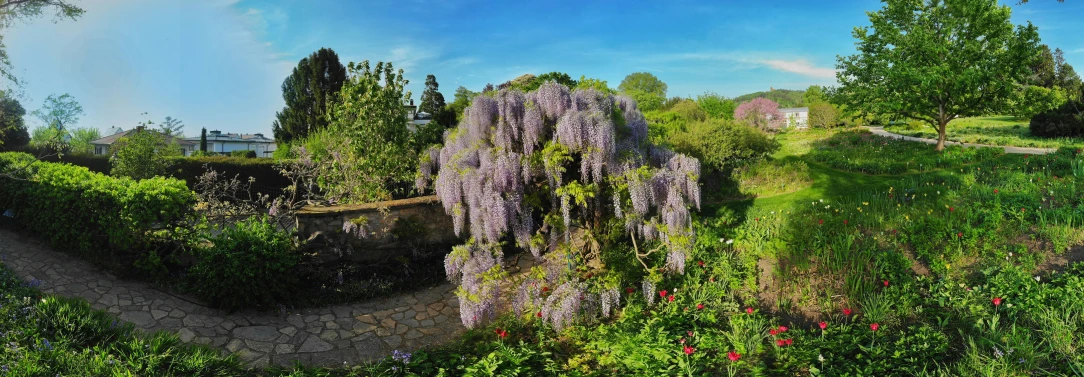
203 140
308 92
432 100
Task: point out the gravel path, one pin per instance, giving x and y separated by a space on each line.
1015 150
329 336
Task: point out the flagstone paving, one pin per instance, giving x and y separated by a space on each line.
330 336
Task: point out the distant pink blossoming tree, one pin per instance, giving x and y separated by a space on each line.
761 113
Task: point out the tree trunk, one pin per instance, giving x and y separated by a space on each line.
941 128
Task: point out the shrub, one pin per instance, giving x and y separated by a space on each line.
245 153
74 207
250 264
722 144
142 154
1065 121
266 172
823 115
690 110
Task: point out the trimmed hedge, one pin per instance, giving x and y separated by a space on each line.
74 207
1064 122
269 181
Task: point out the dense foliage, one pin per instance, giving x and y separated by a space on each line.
309 90
251 264
784 97
13 131
716 105
1068 120
643 87
511 169
143 154
88 212
722 145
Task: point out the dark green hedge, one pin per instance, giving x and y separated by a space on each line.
72 206
1063 122
269 180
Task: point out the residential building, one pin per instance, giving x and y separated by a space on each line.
797 117
102 146
224 143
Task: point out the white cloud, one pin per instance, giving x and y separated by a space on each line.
801 67
1077 51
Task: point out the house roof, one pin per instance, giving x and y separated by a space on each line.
109 140
241 138
795 110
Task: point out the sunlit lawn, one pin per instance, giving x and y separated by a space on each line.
1001 130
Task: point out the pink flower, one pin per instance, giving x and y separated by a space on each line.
782 329
823 325
699 306
960 235
689 350
789 341
847 312
773 332
670 298
997 301
749 310
662 293
733 356
874 326
780 342
886 283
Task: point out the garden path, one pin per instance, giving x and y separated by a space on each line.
1015 150
331 336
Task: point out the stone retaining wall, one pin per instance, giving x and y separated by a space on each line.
393 228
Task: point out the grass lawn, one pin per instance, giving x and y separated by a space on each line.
1002 130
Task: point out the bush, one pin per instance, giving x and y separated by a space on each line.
823 115
269 179
1063 122
722 144
246 153
142 154
251 264
74 207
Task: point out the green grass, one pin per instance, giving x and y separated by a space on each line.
1002 130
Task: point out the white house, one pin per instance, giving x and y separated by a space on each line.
224 143
415 118
797 117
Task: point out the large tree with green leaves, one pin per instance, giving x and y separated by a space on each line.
309 90
935 60
59 112
12 127
648 91
12 11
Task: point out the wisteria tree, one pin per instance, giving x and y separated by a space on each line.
552 171
761 113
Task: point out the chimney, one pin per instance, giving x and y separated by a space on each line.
411 102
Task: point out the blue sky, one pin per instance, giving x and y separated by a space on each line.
219 63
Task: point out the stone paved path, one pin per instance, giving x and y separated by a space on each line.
321 337
1015 150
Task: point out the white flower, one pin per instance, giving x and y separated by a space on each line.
822 200
721 240
1037 278
820 358
729 242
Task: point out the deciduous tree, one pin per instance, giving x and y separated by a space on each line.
935 60
648 91
760 113
12 127
717 106
59 112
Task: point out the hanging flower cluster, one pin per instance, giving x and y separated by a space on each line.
534 167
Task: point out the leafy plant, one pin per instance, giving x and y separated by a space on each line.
250 264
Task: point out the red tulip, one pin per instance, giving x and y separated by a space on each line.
539 314
844 222
997 301
545 289
886 283
823 325
995 191
960 235
733 356
773 332
950 209
662 293
790 341
700 263
689 350
749 310
780 342
699 306
874 326
847 312
630 290
501 333
670 298
689 333
782 329
820 221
